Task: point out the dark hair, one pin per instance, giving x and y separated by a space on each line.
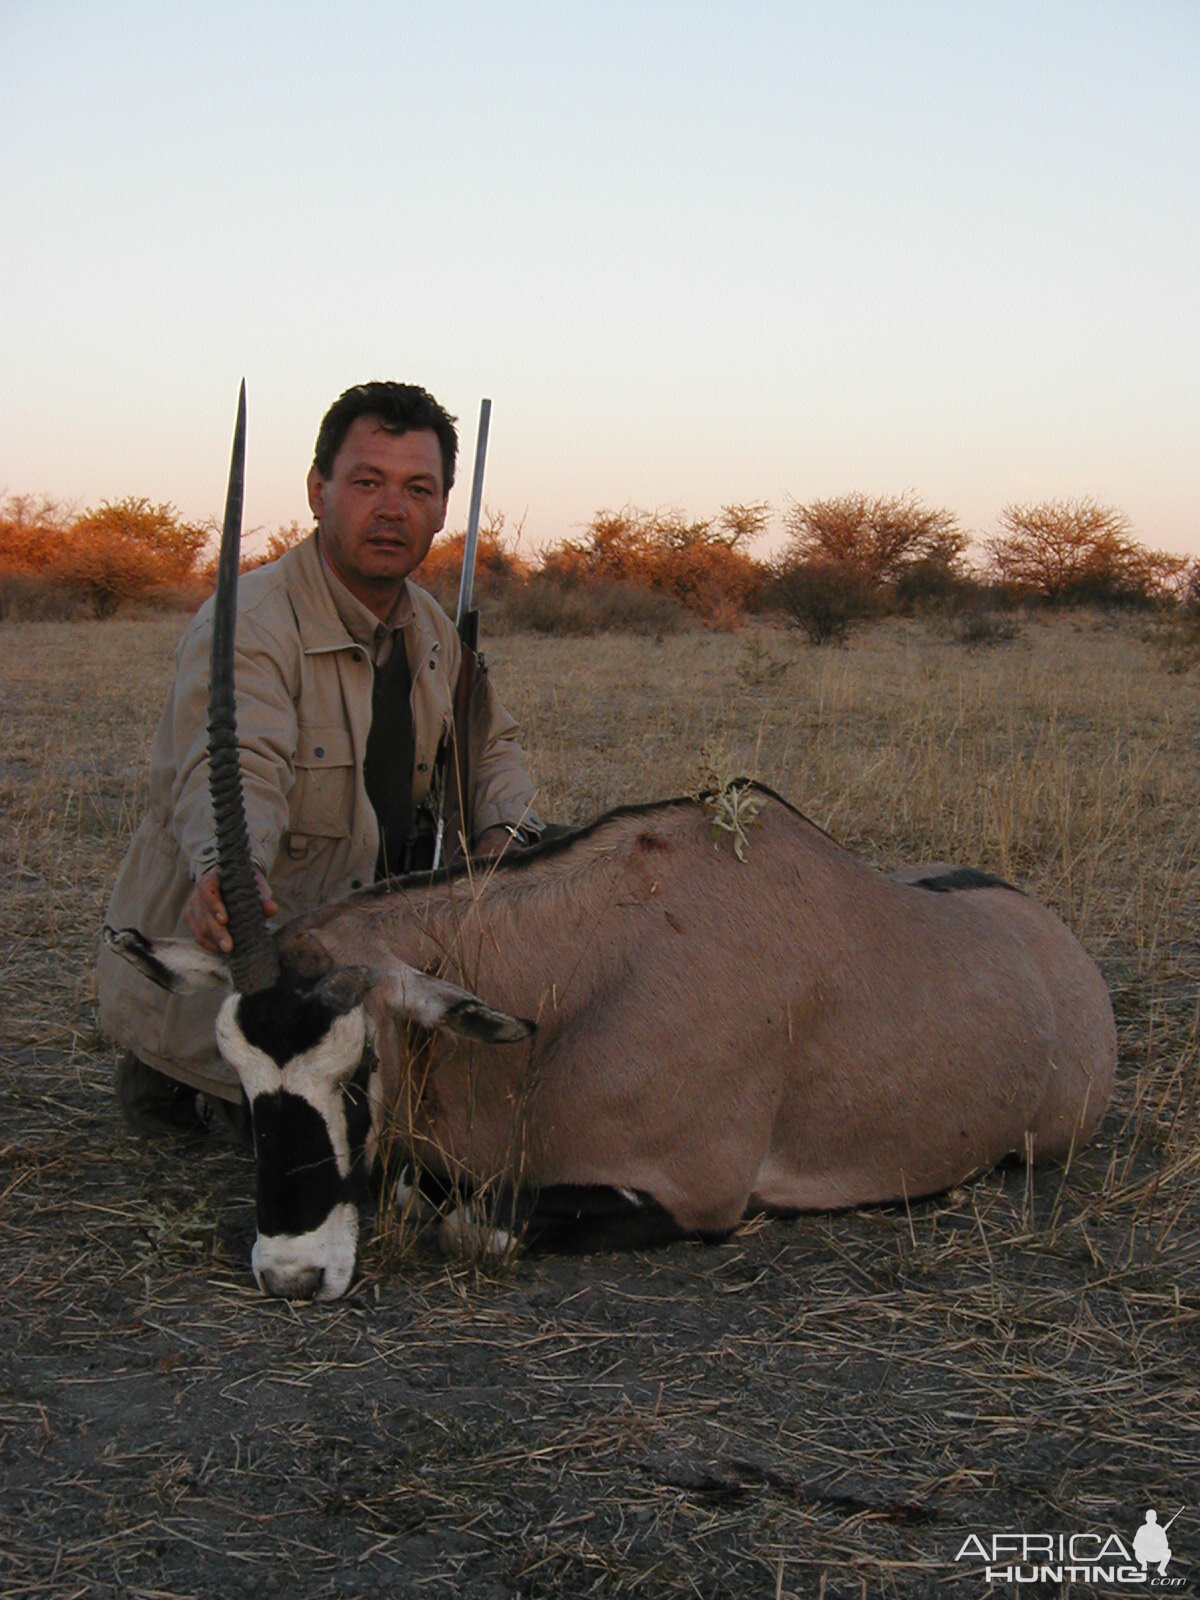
398 408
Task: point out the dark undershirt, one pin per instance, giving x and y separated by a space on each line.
388 765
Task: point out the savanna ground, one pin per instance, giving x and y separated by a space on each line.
827 1406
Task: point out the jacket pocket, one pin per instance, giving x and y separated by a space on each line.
322 799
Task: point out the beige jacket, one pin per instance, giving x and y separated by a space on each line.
304 712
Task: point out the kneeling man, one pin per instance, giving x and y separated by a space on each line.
345 672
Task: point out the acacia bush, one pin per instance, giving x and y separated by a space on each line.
823 598
99 558
31 538
1077 552
882 540
128 549
57 563
855 556
31 534
702 564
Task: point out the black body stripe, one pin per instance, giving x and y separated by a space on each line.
518 860
577 1218
961 878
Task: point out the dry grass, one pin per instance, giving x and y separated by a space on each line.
821 1407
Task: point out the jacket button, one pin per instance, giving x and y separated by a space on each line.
320 750
421 766
432 662
356 655
356 883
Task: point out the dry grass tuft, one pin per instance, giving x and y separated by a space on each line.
826 1406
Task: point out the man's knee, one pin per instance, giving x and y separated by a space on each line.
153 1103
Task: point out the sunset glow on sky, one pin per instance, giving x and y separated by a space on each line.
695 253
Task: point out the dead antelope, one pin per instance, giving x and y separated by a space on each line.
638 1031
712 1036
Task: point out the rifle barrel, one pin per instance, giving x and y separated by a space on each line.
466 588
467 582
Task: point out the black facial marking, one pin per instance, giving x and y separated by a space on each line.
962 878
284 1021
298 1180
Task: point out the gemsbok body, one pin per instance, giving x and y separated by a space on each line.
633 1027
633 1031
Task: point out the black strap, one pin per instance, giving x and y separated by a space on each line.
388 766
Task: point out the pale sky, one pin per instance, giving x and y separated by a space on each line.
695 253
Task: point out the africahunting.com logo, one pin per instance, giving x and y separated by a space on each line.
1077 1557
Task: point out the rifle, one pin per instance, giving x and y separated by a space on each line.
455 755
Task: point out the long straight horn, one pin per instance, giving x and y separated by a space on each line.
253 963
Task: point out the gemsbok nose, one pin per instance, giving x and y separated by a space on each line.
303 1283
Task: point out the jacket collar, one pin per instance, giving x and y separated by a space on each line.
325 625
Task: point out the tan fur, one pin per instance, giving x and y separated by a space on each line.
795 1031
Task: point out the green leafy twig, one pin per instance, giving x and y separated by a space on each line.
734 804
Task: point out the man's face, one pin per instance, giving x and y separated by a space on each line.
379 509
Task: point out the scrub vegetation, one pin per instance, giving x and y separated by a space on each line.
844 561
827 1406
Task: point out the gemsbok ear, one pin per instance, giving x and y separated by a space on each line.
434 1003
343 988
179 965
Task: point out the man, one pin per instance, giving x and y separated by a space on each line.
1150 1545
345 674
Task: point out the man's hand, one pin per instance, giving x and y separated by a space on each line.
493 842
206 915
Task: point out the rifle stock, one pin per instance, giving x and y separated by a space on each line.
456 809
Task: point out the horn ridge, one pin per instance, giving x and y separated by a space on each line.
254 964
